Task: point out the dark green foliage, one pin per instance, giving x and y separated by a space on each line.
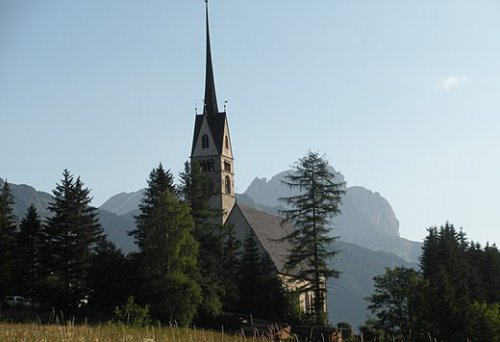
196 189
29 243
454 298
262 293
108 278
71 236
8 227
250 279
133 314
159 182
484 322
230 268
397 303
445 268
168 252
310 212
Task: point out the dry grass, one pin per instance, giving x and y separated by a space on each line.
111 332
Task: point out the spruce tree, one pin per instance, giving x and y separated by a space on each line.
167 252
29 255
310 211
250 279
8 228
71 234
109 278
196 189
230 268
444 266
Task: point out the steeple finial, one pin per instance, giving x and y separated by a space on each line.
210 106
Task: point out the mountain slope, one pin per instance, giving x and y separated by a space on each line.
25 195
115 226
367 218
123 203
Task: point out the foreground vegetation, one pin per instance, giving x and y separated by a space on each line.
111 332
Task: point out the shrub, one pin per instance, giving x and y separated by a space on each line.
132 314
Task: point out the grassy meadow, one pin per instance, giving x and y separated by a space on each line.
111 332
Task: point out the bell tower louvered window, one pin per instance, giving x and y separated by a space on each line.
204 141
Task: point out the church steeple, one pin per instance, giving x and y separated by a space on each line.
212 147
210 106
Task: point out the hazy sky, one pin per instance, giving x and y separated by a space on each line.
402 96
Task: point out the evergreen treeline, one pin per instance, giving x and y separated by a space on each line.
455 296
187 267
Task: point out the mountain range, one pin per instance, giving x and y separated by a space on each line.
368 229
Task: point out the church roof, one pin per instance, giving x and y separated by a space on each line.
269 231
216 123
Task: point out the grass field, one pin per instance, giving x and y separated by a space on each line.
102 333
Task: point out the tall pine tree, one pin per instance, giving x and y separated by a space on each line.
29 256
196 189
71 234
167 252
8 227
318 200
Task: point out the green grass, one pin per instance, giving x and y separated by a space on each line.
111 332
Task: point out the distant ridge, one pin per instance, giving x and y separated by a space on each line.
123 202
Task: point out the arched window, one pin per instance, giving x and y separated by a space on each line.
227 142
228 185
204 141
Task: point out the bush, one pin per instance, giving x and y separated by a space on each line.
132 314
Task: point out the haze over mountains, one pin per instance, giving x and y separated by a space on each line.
368 229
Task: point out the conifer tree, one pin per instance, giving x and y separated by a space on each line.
444 266
230 268
8 227
167 252
310 212
250 279
109 278
29 255
262 293
71 234
196 189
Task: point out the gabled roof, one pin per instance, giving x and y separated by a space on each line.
216 123
269 231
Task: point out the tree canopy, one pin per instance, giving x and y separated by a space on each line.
310 211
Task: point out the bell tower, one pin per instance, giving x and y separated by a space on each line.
212 142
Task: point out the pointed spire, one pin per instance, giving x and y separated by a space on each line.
210 106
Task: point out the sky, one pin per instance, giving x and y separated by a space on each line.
403 97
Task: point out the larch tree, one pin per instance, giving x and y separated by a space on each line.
318 199
8 228
71 235
167 252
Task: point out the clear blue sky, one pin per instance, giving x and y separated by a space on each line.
402 96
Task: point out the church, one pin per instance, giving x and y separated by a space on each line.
213 149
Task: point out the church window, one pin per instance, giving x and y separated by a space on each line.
228 185
227 166
227 141
204 141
